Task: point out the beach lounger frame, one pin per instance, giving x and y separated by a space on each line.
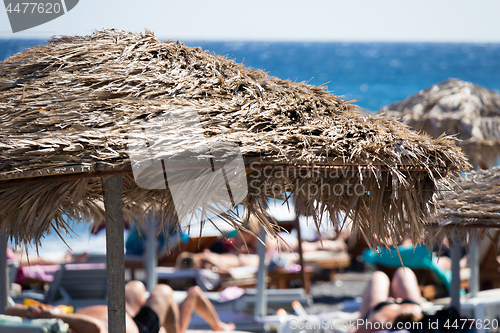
79 285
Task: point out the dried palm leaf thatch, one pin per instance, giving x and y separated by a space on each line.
68 111
455 107
472 202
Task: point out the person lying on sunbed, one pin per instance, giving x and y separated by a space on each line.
244 254
240 248
387 305
158 313
34 259
38 269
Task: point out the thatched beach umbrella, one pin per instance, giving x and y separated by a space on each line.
472 202
71 110
455 107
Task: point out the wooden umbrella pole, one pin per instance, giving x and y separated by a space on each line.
305 281
474 264
455 274
113 188
151 252
261 304
4 288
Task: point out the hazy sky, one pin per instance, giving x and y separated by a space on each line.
313 20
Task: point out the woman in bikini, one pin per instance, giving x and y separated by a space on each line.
389 305
157 314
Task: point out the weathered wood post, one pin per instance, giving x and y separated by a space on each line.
151 252
113 188
261 302
455 274
474 264
303 273
4 278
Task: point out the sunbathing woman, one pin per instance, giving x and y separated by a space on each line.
389 305
158 313
243 248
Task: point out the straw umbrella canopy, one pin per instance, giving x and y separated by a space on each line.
472 201
68 108
455 107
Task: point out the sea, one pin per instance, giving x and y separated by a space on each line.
372 74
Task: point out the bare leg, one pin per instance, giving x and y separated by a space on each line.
376 291
405 286
162 302
134 297
326 245
197 300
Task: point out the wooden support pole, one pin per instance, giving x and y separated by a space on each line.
113 188
151 252
303 273
4 278
261 304
455 274
474 265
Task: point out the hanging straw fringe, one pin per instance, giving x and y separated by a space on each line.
68 107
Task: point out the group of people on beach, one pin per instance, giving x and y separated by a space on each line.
396 302
157 313
393 302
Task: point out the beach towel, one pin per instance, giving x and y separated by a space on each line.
420 257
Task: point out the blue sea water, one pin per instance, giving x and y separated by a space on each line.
374 74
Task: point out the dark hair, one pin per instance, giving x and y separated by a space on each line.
185 260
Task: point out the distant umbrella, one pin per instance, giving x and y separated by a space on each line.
473 201
455 107
68 109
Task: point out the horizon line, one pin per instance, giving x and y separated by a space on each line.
44 36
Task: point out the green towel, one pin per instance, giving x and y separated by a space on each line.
420 257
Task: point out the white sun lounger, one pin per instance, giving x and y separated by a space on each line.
79 285
13 324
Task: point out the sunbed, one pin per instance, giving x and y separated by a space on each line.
13 324
77 285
